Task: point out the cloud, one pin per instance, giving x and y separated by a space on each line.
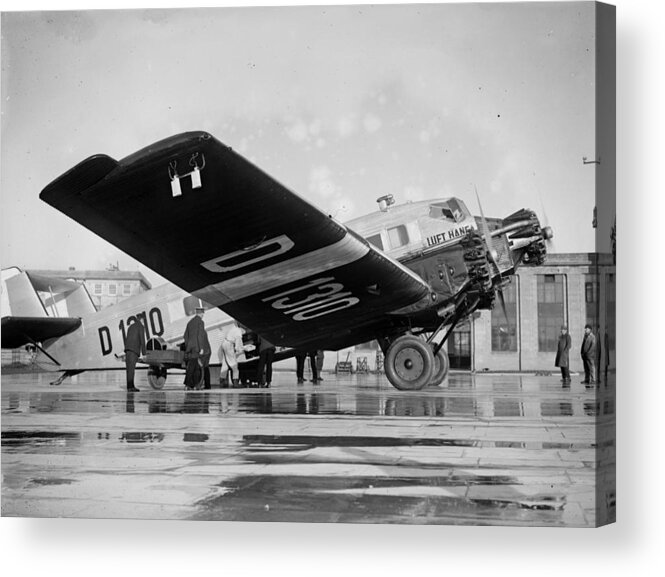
298 132
346 126
414 193
321 183
372 123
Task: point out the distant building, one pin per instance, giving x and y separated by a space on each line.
106 287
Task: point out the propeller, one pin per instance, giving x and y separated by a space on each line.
548 234
492 253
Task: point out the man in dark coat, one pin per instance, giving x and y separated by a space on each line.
134 348
562 361
300 366
197 351
588 352
264 369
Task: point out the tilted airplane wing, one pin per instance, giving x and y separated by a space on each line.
18 331
208 220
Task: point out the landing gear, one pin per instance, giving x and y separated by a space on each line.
409 363
441 368
157 377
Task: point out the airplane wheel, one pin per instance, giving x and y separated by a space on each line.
157 377
409 363
441 368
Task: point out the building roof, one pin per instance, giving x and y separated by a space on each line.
93 275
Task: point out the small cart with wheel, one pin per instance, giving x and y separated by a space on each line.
159 359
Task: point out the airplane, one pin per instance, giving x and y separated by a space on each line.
205 218
58 317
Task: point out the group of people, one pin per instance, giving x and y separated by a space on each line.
198 352
590 351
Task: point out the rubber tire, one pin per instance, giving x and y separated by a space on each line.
157 377
441 368
416 350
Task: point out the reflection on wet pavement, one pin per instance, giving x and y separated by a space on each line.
415 404
483 449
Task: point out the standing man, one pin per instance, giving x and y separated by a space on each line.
197 350
300 366
264 369
232 347
134 348
562 360
588 352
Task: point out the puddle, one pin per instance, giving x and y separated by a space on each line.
367 499
309 441
50 481
141 437
39 438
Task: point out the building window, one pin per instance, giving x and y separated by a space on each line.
126 289
398 236
591 297
504 330
113 289
550 310
97 288
375 240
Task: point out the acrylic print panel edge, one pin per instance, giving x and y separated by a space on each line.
604 163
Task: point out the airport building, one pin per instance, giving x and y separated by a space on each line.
106 287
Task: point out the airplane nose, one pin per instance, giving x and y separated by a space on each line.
548 233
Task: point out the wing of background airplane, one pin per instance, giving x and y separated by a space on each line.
18 331
205 218
25 317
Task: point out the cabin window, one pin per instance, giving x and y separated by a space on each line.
375 240
398 236
113 289
126 289
97 288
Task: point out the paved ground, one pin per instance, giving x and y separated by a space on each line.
480 449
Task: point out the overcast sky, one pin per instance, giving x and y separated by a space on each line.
340 104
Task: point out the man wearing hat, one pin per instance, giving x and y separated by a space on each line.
561 361
134 348
197 351
588 352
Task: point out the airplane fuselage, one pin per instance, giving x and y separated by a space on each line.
164 310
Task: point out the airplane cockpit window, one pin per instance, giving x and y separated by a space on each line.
450 210
375 240
398 236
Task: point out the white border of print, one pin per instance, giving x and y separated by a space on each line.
634 545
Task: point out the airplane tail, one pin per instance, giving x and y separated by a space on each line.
36 308
19 297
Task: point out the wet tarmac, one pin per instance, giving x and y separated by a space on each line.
480 449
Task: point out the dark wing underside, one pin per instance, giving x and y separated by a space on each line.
241 241
18 331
